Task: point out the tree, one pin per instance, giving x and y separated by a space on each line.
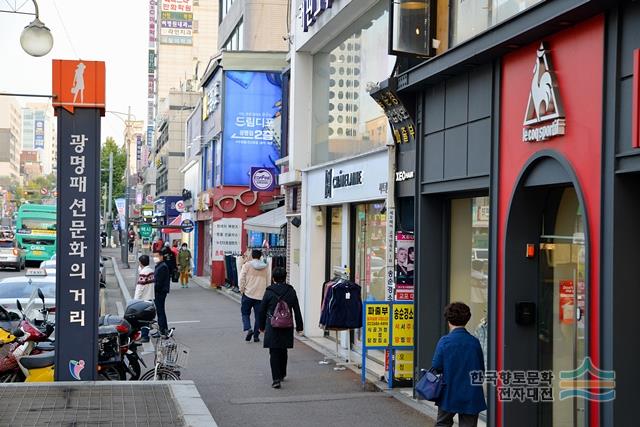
119 164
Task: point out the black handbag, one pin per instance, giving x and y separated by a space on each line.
175 276
430 385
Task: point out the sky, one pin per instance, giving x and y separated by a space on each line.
114 31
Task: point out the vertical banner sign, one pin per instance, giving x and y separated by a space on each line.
38 136
405 266
390 267
78 89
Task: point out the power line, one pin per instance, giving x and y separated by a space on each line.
64 27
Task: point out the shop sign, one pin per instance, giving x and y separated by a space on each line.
402 127
339 181
377 325
567 302
544 117
402 333
405 266
311 9
263 179
227 237
187 226
404 175
145 230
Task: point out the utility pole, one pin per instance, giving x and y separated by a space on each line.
124 241
110 202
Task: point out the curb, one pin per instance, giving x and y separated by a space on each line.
190 404
123 287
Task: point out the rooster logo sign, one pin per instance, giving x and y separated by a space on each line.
544 101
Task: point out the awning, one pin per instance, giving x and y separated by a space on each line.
268 222
174 226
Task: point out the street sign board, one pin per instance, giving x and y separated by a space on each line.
187 225
44 191
145 230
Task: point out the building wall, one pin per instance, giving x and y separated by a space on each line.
176 63
11 122
264 24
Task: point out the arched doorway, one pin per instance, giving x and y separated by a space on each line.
546 287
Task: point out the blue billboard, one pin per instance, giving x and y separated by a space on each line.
38 134
252 101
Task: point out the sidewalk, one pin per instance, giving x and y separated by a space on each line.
234 378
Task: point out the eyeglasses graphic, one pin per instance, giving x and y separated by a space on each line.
228 203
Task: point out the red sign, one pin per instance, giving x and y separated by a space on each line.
567 302
44 191
78 84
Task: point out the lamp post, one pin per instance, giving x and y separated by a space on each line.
36 38
124 234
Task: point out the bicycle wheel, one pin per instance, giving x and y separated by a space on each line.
163 374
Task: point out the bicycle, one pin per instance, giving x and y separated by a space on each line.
169 357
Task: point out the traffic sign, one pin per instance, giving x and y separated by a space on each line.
44 191
187 225
145 230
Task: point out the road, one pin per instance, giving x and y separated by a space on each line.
234 379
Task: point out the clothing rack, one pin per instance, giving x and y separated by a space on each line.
340 273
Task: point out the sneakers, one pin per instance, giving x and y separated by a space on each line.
249 335
276 384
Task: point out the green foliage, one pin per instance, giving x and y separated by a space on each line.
119 164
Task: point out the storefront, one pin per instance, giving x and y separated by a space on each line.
527 166
346 230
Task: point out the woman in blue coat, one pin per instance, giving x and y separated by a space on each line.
457 355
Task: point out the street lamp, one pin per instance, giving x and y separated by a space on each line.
36 38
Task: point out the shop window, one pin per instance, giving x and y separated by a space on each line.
356 52
471 17
335 235
370 250
469 262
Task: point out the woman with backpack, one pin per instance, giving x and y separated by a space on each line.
276 321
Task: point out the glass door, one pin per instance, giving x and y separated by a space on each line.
561 308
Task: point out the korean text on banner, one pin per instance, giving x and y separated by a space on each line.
377 325
253 101
402 325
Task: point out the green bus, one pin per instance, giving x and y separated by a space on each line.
36 231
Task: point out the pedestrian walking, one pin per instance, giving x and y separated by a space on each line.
162 277
458 354
253 283
144 287
170 258
184 264
279 339
131 239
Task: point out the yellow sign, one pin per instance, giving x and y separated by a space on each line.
38 231
403 368
402 325
377 326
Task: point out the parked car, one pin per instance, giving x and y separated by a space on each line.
22 288
11 255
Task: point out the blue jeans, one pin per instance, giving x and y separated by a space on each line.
245 309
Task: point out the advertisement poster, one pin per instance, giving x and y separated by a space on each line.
38 137
176 22
263 179
567 302
252 102
377 325
402 325
405 266
227 237
403 368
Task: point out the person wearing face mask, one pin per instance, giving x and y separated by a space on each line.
162 276
184 264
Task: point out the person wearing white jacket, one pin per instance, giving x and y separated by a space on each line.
253 284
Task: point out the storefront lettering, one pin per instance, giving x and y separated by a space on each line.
342 180
404 175
544 104
311 9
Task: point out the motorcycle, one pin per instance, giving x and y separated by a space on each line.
24 339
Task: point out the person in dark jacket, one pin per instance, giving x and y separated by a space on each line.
458 354
169 258
278 340
162 277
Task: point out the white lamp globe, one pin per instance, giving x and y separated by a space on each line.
36 39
